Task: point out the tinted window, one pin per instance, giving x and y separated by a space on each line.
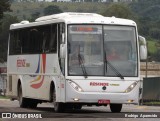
34 40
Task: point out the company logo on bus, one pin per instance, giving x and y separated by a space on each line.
99 84
22 63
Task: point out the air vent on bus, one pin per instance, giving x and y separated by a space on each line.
24 22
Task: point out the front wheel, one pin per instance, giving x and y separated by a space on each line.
58 106
116 108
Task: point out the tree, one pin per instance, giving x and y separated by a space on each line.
155 33
118 10
34 16
52 9
6 22
4 6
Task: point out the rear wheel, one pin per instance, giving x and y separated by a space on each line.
22 101
77 107
116 108
32 103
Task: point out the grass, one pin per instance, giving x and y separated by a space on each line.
3 97
151 103
152 49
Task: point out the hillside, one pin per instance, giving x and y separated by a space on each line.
144 12
25 10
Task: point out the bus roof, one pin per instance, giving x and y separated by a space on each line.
74 18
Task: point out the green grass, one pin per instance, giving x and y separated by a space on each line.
3 97
152 103
152 49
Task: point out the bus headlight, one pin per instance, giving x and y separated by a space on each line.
75 86
130 88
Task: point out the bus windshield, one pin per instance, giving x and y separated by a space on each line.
102 50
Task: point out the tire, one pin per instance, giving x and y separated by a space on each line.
78 107
116 108
58 106
22 101
32 103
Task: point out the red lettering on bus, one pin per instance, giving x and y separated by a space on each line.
98 84
21 63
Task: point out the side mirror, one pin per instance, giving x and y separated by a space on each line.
143 48
62 51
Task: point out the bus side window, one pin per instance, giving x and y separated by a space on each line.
24 37
12 43
44 45
33 48
47 38
15 43
53 41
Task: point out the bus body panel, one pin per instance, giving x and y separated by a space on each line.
35 73
112 86
94 96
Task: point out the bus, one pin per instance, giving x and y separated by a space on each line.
63 59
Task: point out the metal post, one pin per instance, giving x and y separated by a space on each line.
146 63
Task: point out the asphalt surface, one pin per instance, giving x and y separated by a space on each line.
46 112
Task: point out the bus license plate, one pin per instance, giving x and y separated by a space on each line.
103 101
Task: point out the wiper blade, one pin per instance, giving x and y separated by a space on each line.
113 68
82 65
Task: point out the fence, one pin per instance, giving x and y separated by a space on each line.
150 69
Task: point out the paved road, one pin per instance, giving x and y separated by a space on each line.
86 114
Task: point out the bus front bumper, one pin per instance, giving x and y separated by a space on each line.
73 96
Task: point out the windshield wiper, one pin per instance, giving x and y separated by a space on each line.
113 68
82 65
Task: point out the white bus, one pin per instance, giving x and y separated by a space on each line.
63 59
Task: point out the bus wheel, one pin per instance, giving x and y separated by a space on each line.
116 108
58 106
77 107
32 103
22 100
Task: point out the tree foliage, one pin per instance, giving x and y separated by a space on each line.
118 10
6 22
4 6
146 13
52 9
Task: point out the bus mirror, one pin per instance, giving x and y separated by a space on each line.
143 48
62 51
